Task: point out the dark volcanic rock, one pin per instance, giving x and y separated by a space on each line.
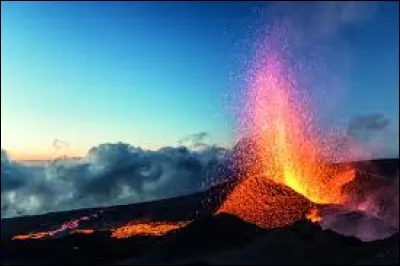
203 236
305 244
387 253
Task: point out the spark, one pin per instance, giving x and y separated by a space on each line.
286 148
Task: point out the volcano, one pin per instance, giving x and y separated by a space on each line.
281 199
269 204
195 229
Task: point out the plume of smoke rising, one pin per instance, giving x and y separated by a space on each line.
381 201
374 213
109 174
371 216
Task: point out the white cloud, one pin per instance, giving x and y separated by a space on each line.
109 174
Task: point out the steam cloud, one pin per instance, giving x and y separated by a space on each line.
109 174
373 216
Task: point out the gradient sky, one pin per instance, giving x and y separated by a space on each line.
151 73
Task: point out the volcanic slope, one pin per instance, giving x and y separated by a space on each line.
209 239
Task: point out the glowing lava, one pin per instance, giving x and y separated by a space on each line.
38 235
265 203
314 215
83 231
147 229
286 149
65 226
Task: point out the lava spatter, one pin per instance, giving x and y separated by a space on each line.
284 173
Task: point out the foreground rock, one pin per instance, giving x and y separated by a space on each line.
224 239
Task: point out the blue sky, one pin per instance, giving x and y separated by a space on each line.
151 73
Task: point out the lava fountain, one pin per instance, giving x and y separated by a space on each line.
284 175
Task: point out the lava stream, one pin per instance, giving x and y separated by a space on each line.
73 224
147 229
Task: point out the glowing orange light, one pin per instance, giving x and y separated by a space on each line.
286 149
314 215
38 235
72 224
83 231
147 229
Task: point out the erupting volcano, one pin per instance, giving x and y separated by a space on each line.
283 171
242 133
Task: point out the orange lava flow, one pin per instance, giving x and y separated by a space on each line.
65 226
83 231
38 235
314 215
286 149
147 229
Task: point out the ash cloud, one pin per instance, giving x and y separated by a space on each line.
110 174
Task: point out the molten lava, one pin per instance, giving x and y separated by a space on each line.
314 215
83 231
65 226
38 235
265 203
286 149
147 229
